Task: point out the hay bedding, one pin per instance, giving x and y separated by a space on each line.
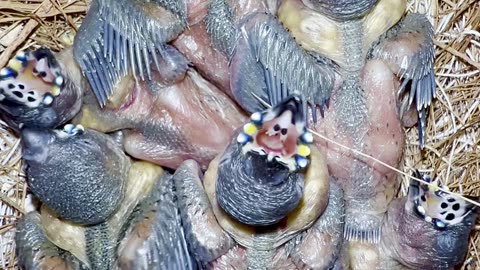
452 151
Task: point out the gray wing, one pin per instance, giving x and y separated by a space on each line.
282 66
155 238
122 36
221 27
36 252
328 229
207 239
415 69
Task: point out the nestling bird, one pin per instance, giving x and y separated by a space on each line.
427 229
365 59
267 201
94 199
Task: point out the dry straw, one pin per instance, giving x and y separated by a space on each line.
452 151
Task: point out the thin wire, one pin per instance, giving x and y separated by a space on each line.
264 103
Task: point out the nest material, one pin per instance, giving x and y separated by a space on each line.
452 150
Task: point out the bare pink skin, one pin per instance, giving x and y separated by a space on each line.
243 8
185 116
281 260
191 119
195 44
309 256
235 258
409 117
196 10
202 120
405 45
384 139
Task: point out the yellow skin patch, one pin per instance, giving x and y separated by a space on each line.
309 209
64 234
87 118
249 129
142 178
362 256
15 64
55 90
315 32
383 16
303 150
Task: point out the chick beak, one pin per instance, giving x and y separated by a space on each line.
279 133
437 207
34 143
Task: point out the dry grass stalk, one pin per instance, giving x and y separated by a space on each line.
453 132
452 151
